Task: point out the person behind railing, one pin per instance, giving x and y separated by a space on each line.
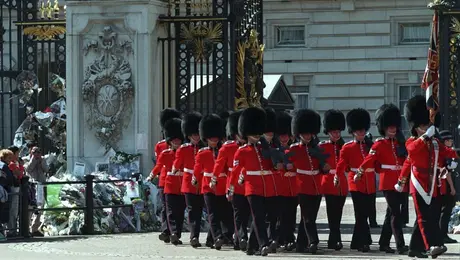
6 182
18 171
36 169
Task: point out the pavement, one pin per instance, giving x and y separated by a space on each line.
147 245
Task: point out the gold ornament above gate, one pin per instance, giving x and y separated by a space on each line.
249 78
201 37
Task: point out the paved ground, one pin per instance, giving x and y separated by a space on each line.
147 246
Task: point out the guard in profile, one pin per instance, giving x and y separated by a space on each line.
333 186
184 162
385 155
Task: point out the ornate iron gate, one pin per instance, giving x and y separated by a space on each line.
211 55
33 39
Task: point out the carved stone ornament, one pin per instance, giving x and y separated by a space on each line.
107 90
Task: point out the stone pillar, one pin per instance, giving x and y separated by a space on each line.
111 56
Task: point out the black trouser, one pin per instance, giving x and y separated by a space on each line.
164 219
287 220
302 240
216 207
373 210
334 209
261 207
309 206
426 231
194 204
241 213
362 206
393 219
175 207
447 204
227 223
405 208
272 217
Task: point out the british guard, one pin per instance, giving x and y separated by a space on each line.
306 124
361 184
255 172
270 146
424 154
224 163
386 156
213 188
286 186
447 190
165 115
333 186
185 162
175 203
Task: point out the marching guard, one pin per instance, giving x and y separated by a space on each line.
424 154
224 163
385 154
287 187
255 172
361 184
270 142
213 188
306 124
185 162
333 186
175 203
165 115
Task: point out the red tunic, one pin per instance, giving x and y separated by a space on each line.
204 167
224 164
307 170
327 182
257 171
184 162
383 155
159 148
172 182
351 157
422 156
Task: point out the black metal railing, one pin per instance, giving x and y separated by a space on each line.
88 228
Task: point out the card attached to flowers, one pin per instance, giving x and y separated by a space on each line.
122 165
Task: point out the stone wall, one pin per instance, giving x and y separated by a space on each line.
352 56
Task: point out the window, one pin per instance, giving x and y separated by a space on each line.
290 36
301 100
405 93
410 33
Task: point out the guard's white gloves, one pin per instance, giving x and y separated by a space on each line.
430 131
452 165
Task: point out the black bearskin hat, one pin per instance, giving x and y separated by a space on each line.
166 114
387 115
333 120
358 119
416 112
190 123
232 124
172 129
306 121
210 126
252 122
283 123
271 120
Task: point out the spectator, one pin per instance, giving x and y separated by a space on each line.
18 172
36 169
6 182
